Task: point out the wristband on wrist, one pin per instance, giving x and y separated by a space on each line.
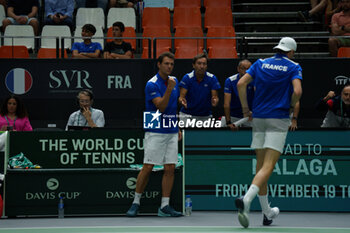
294 118
228 122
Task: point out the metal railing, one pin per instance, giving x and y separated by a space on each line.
243 43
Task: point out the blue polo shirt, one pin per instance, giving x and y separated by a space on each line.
156 87
198 95
86 48
231 88
273 82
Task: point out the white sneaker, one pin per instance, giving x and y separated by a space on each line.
243 210
273 213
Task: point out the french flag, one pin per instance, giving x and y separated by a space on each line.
18 81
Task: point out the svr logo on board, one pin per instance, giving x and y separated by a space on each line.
69 79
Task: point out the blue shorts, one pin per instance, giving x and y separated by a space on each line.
14 22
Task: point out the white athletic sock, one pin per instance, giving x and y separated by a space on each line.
250 195
165 202
264 203
137 198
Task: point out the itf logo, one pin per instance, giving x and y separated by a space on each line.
151 120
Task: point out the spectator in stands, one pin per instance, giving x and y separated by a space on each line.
338 114
4 3
198 91
59 12
87 49
340 26
232 104
86 115
92 3
22 12
332 8
13 115
118 49
317 7
121 3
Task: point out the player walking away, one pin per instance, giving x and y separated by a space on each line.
161 144
278 89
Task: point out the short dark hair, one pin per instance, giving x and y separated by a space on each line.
21 111
120 25
281 51
199 56
165 54
87 92
89 27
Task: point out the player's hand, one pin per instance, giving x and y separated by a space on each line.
183 102
171 83
56 18
294 125
330 95
214 101
22 20
232 127
86 113
180 135
248 114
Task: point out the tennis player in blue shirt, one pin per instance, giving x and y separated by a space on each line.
198 91
232 104
161 143
278 89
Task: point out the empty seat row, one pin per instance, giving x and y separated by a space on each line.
189 46
207 3
24 35
186 47
96 17
13 34
20 51
184 16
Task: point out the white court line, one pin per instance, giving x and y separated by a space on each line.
339 148
143 227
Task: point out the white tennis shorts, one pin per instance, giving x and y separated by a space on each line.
160 148
270 133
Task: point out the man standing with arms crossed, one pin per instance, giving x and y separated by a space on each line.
278 89
161 144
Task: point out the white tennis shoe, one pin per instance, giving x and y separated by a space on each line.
273 213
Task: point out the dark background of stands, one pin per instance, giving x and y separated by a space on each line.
124 108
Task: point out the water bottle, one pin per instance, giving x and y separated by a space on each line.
61 208
188 205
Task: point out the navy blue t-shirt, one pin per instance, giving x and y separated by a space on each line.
156 87
235 104
198 95
22 7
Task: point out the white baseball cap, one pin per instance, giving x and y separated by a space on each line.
287 44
